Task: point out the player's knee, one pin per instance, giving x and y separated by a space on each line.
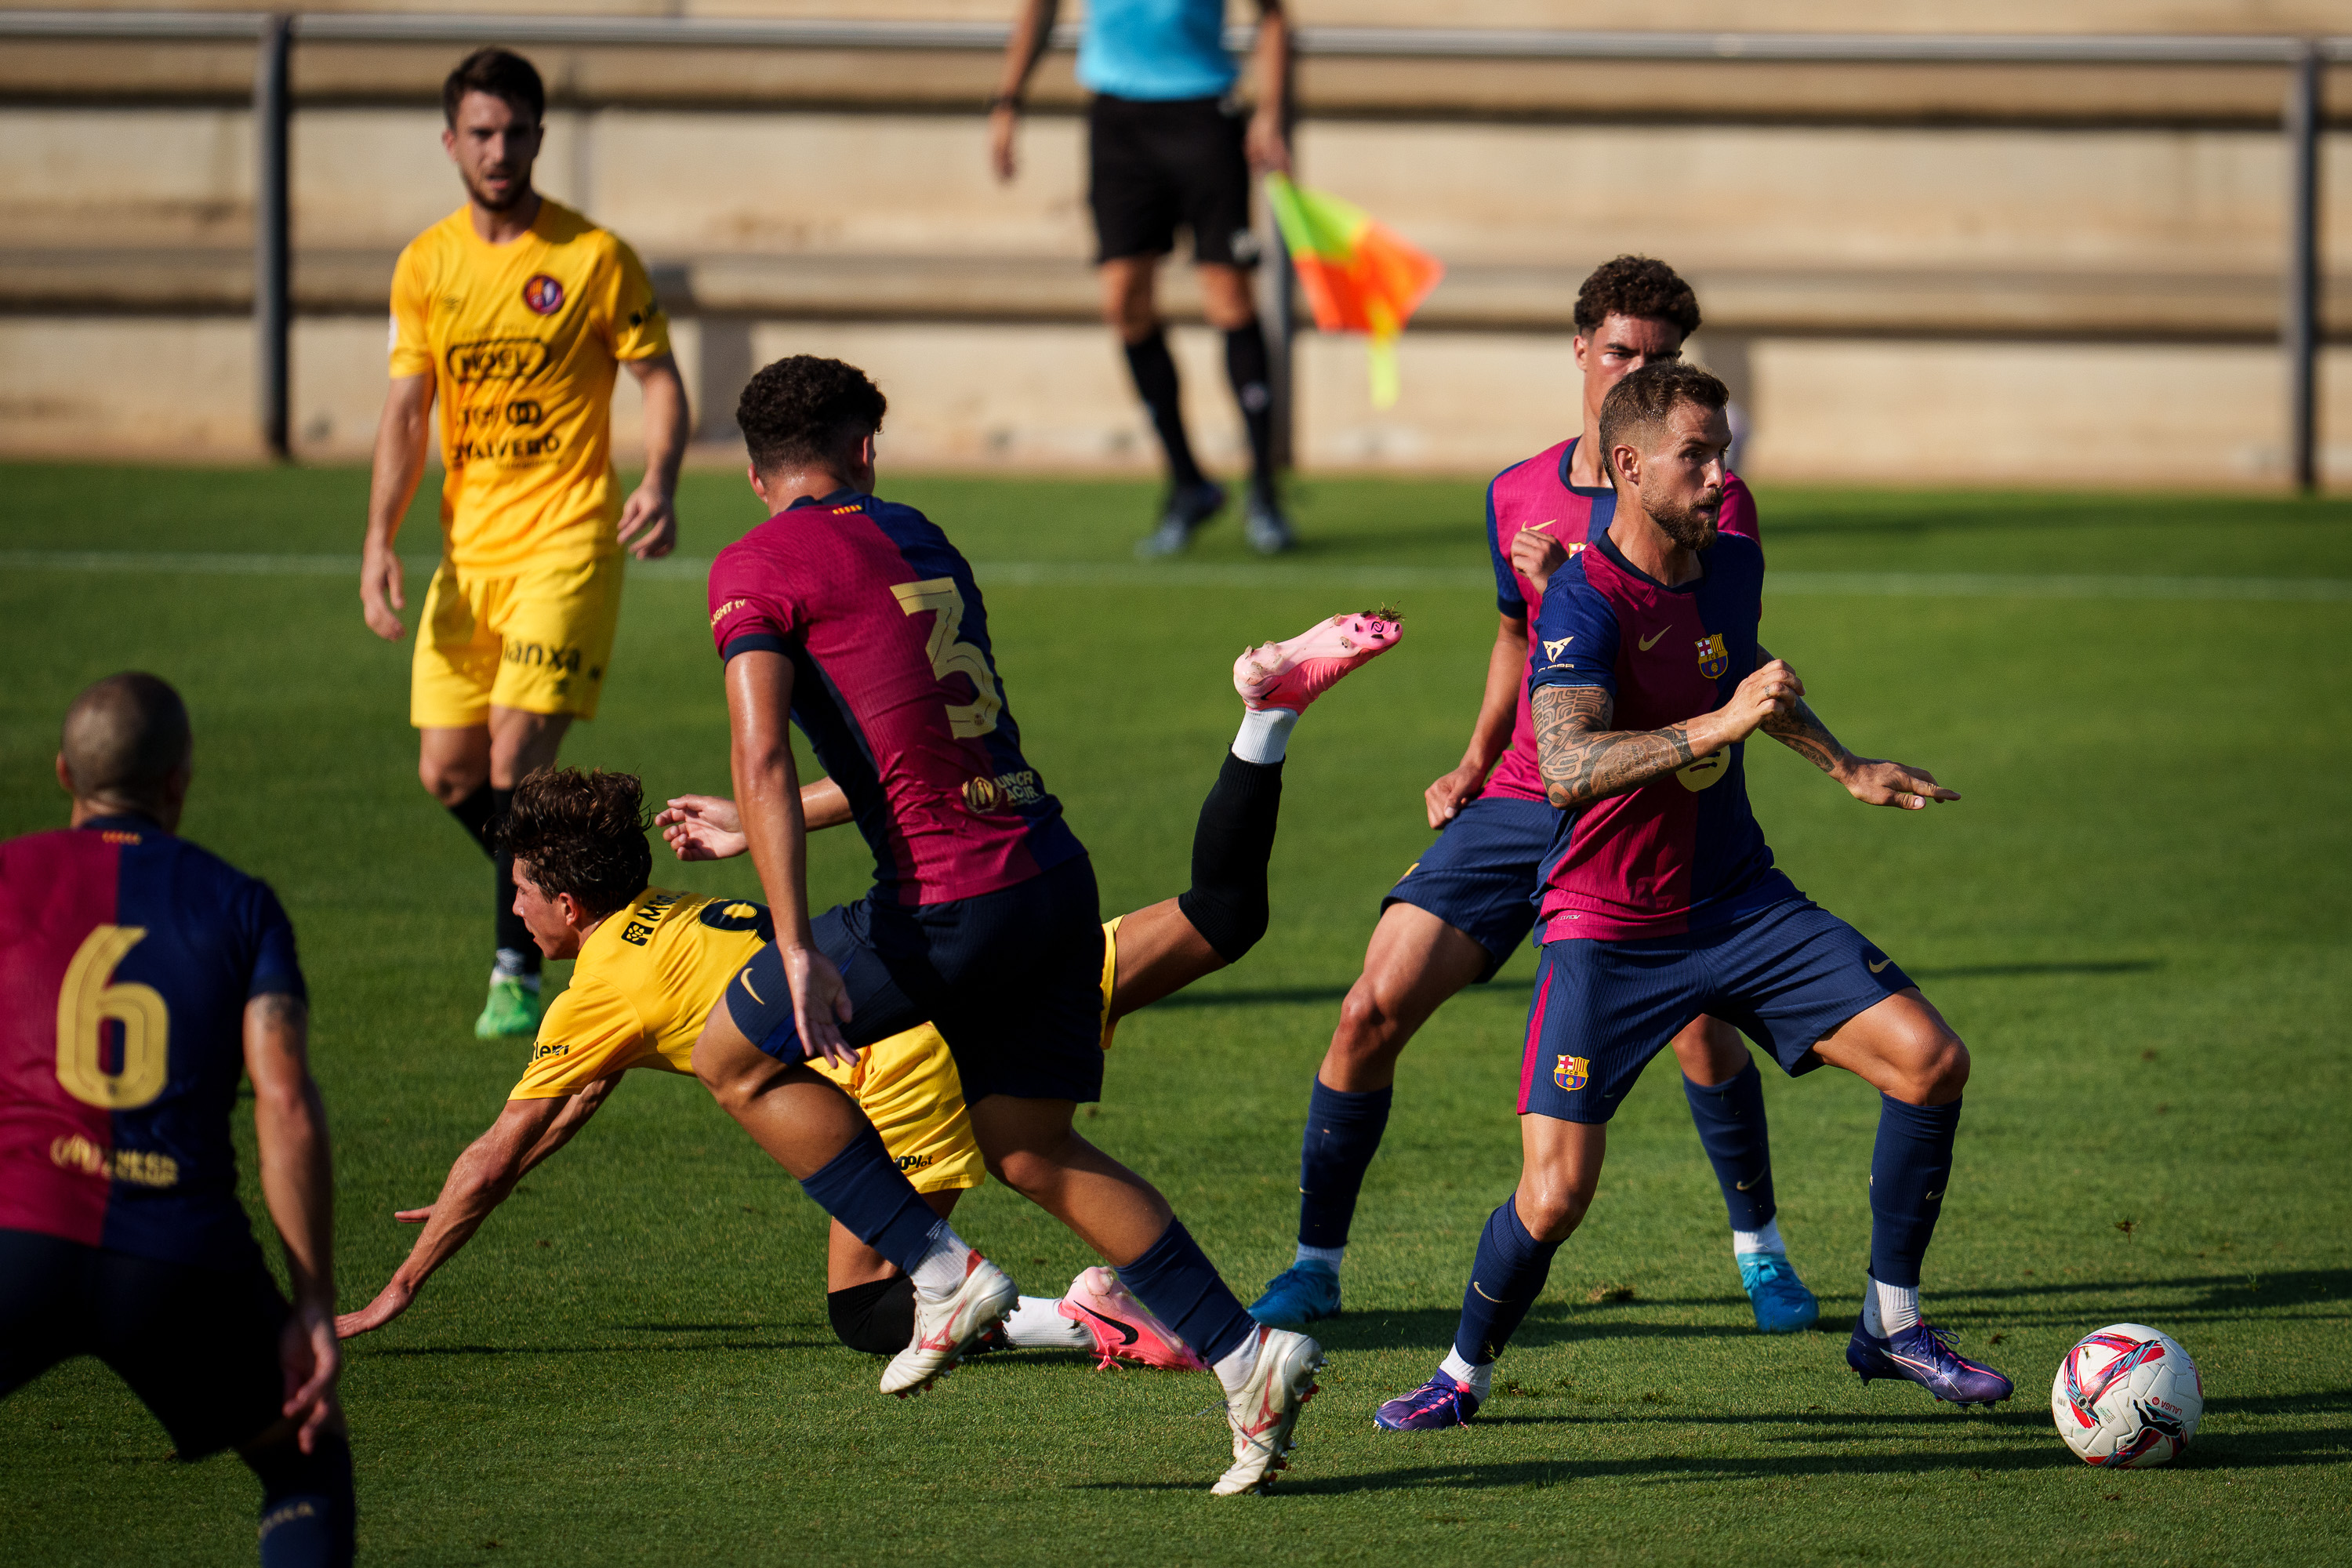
1944 1073
1552 1209
1368 1029
1710 1052
307 1512
449 780
877 1316
1230 919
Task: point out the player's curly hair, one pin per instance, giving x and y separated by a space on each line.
501 73
1642 401
1637 285
806 410
583 834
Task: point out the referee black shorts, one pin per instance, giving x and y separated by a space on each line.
1154 166
198 1346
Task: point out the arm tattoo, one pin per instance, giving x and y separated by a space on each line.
281 1010
1802 731
1584 761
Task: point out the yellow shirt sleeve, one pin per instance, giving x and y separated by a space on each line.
634 325
412 293
590 1032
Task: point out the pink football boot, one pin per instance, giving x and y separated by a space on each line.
1101 1304
1295 673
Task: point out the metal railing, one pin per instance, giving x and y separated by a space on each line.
2302 61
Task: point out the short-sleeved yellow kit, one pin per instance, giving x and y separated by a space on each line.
646 979
522 342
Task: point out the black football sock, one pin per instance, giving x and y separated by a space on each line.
309 1517
1730 1118
518 954
877 1316
473 814
1155 378
1231 846
1247 368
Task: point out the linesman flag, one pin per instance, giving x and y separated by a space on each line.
1358 275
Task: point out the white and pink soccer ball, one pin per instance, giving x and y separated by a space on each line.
2128 1397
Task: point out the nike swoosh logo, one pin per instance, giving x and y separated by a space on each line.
1743 1186
1127 1336
1482 1290
746 978
1646 644
1881 965
1938 1192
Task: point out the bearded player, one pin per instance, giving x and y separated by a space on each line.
1461 910
1661 899
652 963
514 313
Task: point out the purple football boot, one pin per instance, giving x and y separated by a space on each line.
1923 1353
1440 1402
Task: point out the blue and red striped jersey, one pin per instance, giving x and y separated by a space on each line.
896 688
1682 852
1536 493
127 956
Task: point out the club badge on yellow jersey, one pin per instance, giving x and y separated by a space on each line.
522 342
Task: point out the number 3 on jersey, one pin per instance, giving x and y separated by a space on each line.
951 656
86 1002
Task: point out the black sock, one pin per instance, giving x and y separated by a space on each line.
518 954
473 814
1247 368
877 1316
1231 846
307 1513
1155 378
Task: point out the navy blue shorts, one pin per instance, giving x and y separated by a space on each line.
1480 877
197 1345
1012 980
1785 974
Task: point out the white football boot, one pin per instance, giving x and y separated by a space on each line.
945 1330
1266 1410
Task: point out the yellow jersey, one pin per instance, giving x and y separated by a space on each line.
522 342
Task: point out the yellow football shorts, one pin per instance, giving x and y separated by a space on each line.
538 639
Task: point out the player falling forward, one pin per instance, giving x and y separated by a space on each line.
514 313
858 621
1459 911
139 978
652 963
1661 899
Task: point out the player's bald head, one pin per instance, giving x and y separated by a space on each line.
125 737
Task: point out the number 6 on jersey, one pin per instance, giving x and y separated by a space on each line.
951 656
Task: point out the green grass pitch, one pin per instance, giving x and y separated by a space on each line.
2137 918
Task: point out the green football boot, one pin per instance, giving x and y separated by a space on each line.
511 1012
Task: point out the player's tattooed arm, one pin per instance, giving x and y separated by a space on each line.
1584 761
1870 779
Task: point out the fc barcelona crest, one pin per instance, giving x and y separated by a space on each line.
1714 659
1572 1073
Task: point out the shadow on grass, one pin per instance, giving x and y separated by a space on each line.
1517 991
404 1350
2025 971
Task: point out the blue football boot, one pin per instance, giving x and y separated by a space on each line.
1783 1305
1298 1296
1923 1353
1439 1403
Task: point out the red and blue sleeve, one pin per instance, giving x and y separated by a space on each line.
1737 517
748 613
1506 581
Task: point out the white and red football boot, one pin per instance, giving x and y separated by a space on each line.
945 1330
1266 1411
1293 674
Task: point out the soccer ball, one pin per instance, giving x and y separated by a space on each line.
2128 1397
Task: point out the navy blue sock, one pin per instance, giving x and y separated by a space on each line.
309 1517
1175 1278
863 1188
1909 1169
1730 1118
1343 1132
1506 1278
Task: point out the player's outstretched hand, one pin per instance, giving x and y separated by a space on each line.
820 1004
310 1357
1874 781
1772 689
648 522
1448 796
702 827
389 1303
1535 555
381 599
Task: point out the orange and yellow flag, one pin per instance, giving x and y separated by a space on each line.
1358 275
